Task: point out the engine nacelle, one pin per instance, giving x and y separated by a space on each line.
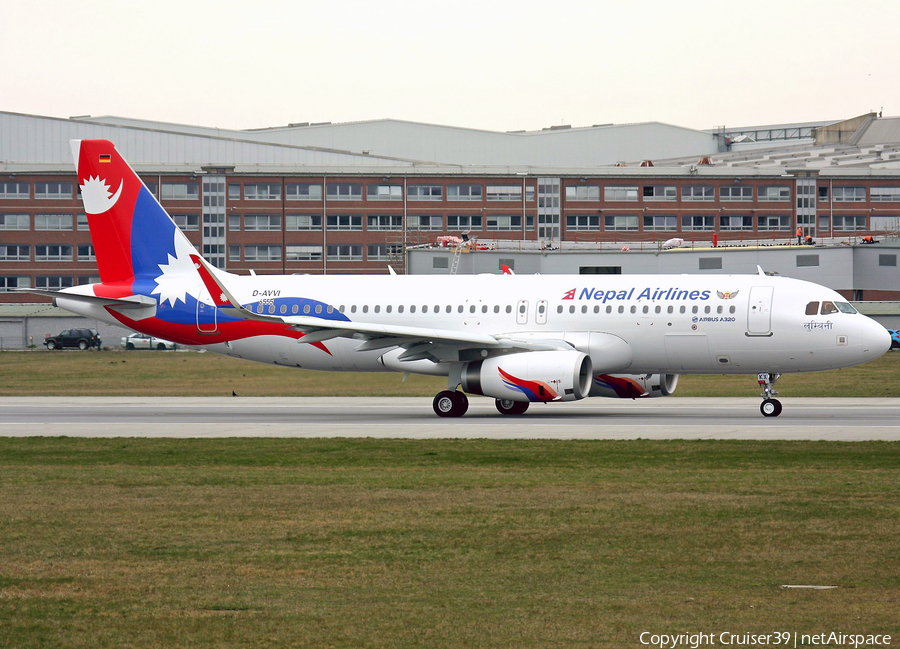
633 386
530 376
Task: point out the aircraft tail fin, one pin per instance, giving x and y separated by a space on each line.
133 236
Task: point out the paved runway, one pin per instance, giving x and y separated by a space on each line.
672 418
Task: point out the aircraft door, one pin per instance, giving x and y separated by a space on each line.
540 312
522 312
207 314
759 311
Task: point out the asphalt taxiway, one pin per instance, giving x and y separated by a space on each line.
672 418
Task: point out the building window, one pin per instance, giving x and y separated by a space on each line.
733 223
52 221
345 252
303 192
807 260
180 191
887 260
848 223
618 194
186 222
262 253
53 252
884 194
775 193
698 223
425 223
384 222
823 194
849 194
303 222
384 251
464 222
53 190
582 222
440 262
86 253
617 222
660 223
425 192
262 222
262 192
660 193
384 192
698 193
504 223
304 253
504 193
54 282
343 222
15 253
8 283
234 253
735 193
464 192
15 222
769 223
583 193
710 263
234 191
15 190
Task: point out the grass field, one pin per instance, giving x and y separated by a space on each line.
365 543
152 373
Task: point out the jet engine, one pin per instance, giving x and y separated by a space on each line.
530 376
633 386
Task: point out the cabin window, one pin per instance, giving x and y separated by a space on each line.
671 309
694 309
295 309
584 309
353 309
621 309
496 308
596 308
646 309
460 308
682 309
271 308
365 308
609 309
719 309
472 309
318 309
658 309
845 307
731 309
812 308
400 309
828 308
633 309
388 308
377 308
706 309
284 308
572 309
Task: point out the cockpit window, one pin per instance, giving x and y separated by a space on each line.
845 307
828 307
812 308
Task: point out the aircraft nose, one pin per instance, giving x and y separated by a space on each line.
877 339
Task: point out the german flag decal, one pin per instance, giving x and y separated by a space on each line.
105 157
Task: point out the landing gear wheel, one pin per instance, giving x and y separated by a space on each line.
510 407
770 408
450 403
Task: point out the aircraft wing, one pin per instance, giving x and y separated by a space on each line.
420 342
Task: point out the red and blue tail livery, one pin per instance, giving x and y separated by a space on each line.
515 338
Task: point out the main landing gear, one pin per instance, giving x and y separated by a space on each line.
510 407
450 403
769 407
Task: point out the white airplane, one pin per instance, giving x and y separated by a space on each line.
516 338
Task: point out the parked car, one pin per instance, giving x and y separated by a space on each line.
143 341
895 338
82 339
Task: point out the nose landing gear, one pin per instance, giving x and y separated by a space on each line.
769 407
